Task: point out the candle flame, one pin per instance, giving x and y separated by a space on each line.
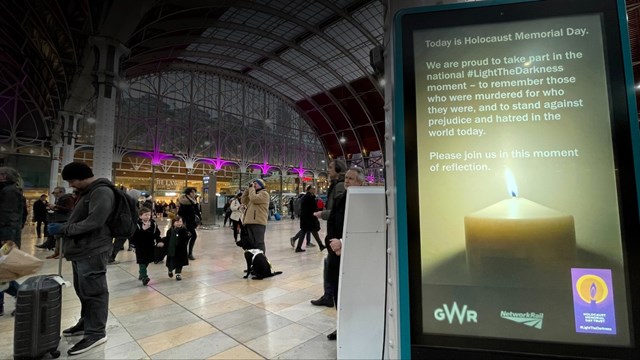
512 187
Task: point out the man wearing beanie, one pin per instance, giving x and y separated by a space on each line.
256 199
87 245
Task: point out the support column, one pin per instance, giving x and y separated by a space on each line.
107 54
69 135
55 165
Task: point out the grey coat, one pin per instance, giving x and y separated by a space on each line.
86 233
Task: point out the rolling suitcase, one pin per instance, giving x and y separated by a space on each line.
38 316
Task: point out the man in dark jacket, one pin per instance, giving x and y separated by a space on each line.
337 169
12 209
40 215
87 245
335 227
309 224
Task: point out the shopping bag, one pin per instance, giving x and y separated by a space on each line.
17 264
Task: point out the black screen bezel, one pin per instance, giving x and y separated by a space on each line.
497 12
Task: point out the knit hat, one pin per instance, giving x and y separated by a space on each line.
135 194
260 183
76 171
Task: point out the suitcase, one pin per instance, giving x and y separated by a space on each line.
38 317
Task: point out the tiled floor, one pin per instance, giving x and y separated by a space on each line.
213 313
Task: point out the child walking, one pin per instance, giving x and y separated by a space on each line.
176 243
145 238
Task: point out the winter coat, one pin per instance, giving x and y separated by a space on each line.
180 255
40 211
11 212
236 210
308 222
335 190
145 242
257 203
62 209
86 232
189 211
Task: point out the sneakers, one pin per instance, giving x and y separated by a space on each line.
293 241
178 277
170 273
75 330
87 344
323 301
333 335
300 250
145 281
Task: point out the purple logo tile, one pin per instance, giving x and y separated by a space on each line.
593 301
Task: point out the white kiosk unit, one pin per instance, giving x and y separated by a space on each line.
361 294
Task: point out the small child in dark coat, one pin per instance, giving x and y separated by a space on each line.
145 239
175 244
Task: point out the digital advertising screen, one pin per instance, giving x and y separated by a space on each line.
520 175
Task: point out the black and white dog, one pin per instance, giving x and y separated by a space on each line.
258 265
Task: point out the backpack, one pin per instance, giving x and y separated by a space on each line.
123 220
297 206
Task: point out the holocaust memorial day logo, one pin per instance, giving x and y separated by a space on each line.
593 304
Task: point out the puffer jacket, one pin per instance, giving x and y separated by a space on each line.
257 203
86 232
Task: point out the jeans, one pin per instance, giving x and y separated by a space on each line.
11 290
90 283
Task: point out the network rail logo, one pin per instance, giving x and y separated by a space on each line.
528 318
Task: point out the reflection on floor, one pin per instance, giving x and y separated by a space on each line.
213 313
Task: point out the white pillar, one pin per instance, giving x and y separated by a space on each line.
108 54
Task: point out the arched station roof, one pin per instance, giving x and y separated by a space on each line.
314 53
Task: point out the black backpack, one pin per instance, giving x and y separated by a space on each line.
123 220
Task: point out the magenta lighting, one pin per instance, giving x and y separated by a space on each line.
156 156
264 167
371 179
300 170
217 163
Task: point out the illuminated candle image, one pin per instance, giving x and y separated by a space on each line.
518 228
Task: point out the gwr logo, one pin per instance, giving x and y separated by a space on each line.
454 312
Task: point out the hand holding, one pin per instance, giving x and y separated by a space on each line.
160 244
336 246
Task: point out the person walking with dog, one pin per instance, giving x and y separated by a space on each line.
176 243
256 199
335 227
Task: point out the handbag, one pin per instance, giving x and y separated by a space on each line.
17 264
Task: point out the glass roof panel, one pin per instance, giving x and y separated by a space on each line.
372 18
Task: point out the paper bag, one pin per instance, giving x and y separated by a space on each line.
17 264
